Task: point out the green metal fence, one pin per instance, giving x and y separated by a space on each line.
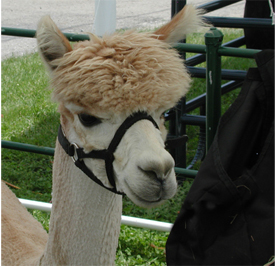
213 50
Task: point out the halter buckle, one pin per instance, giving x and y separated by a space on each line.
75 157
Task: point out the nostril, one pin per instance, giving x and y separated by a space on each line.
150 173
153 176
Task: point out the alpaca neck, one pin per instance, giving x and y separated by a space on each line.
85 219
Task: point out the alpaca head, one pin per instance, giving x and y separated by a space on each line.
101 82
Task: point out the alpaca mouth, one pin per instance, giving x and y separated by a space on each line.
135 197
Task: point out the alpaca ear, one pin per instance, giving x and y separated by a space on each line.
188 20
52 44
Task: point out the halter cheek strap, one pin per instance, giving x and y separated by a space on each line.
74 151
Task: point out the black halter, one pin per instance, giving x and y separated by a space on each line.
77 154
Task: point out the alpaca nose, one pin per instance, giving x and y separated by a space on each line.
158 167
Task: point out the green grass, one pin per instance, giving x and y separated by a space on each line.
149 247
29 116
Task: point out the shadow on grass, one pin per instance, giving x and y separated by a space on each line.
31 172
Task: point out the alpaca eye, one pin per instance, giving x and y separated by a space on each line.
88 120
164 115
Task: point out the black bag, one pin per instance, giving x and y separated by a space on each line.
259 38
228 215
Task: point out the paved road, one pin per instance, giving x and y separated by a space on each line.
78 16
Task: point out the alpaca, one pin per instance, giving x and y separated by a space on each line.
112 93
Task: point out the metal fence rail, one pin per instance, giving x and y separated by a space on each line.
212 50
50 151
126 220
31 34
27 147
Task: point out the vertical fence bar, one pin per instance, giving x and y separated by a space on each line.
177 127
213 40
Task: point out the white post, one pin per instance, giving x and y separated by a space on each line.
105 17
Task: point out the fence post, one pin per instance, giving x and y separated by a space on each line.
177 127
213 40
105 17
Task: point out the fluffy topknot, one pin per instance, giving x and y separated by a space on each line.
120 73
